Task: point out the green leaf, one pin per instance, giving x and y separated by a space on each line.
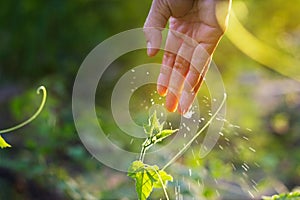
154 126
164 134
143 179
164 177
135 167
3 143
147 177
148 129
144 184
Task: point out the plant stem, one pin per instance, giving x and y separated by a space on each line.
195 136
142 154
161 182
41 88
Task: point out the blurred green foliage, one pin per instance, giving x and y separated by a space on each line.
258 152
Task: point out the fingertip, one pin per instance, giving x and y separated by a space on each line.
162 90
186 100
180 110
152 52
171 102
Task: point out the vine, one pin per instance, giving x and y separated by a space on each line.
3 143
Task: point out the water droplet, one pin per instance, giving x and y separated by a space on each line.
217 192
245 168
198 182
216 181
193 153
252 196
253 181
190 172
131 141
245 138
233 167
254 187
188 114
256 164
246 175
251 149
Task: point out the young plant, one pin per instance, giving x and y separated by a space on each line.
284 196
3 143
148 177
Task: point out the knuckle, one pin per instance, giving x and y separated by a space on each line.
168 55
166 70
181 63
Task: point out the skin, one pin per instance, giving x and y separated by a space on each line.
195 29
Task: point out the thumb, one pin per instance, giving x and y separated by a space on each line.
157 19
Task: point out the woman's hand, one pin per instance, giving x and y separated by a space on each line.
195 28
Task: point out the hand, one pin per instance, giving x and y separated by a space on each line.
195 28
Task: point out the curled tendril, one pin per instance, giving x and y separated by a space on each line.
38 91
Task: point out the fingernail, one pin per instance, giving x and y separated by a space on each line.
162 90
149 50
171 102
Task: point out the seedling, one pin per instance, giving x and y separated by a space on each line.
148 177
284 196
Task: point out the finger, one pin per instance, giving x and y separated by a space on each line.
197 70
180 69
153 39
188 97
157 19
173 44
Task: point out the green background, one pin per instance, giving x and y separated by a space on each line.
44 43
